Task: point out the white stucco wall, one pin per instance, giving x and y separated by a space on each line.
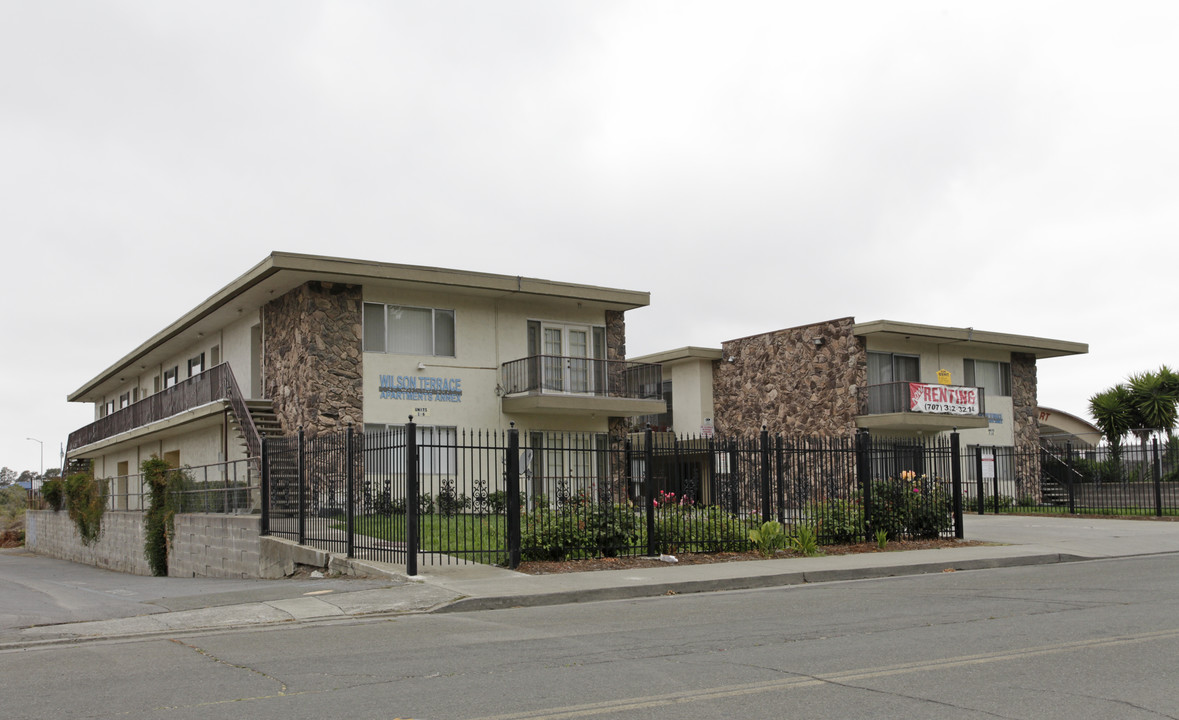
488 333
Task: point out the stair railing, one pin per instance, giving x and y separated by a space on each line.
241 411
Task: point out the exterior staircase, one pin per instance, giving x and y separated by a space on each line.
265 420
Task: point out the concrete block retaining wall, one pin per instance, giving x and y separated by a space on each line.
205 545
119 547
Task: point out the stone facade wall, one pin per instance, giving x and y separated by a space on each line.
1026 424
313 357
615 335
119 547
783 380
216 546
616 351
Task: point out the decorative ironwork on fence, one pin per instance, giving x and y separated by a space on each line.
419 494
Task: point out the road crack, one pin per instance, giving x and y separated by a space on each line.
281 685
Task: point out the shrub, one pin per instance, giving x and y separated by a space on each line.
614 529
578 530
497 502
85 500
838 521
911 505
157 519
550 535
54 493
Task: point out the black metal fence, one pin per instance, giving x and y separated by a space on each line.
437 495
1135 479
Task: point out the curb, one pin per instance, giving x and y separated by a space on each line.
631 592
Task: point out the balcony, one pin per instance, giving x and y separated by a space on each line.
199 396
555 384
905 406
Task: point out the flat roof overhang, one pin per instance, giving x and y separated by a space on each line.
918 422
690 352
969 337
282 272
555 404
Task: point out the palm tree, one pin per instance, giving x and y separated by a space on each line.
1113 411
1153 396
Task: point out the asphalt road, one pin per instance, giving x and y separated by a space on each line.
1080 640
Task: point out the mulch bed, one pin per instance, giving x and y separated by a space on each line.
628 563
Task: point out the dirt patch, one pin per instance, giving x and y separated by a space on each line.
627 563
12 538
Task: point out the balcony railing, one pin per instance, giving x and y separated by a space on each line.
895 397
216 383
554 374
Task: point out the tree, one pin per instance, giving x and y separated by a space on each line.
1113 412
29 476
7 476
1148 402
1153 398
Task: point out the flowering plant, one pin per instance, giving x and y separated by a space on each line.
910 505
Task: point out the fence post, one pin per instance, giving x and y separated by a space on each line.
864 477
411 498
628 470
765 474
978 475
734 477
349 493
649 487
513 490
302 493
1157 468
779 457
264 528
956 474
1068 477
995 479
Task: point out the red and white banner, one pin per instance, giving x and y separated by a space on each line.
943 399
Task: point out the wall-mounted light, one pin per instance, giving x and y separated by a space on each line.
421 366
731 358
818 342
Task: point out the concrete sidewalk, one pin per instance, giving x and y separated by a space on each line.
1021 540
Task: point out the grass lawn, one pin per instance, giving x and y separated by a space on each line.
482 537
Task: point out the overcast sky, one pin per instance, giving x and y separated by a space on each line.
754 165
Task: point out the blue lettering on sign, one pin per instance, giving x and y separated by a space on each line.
421 389
995 418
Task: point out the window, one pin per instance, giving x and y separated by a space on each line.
196 365
108 407
408 330
437 448
569 356
993 377
892 367
124 400
170 377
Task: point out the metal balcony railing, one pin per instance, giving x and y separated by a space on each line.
895 397
216 383
555 374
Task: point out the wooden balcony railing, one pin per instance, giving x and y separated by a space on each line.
215 384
